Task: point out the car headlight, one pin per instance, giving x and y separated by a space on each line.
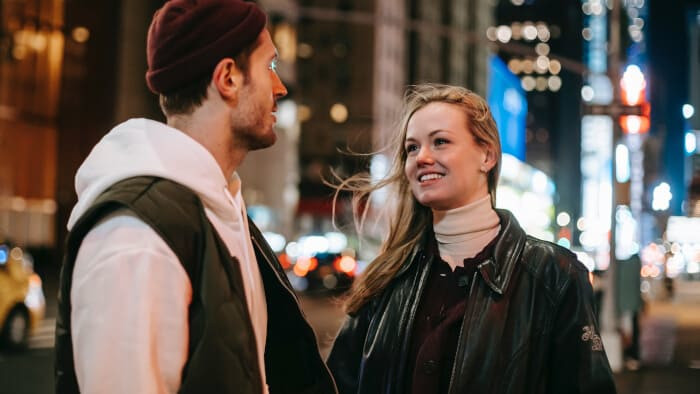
35 295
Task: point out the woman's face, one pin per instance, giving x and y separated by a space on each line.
445 166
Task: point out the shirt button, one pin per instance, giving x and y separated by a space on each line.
429 367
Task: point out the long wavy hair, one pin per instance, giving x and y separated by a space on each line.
409 219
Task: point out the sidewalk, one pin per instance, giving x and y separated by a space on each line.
670 350
648 380
685 318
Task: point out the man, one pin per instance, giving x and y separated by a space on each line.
166 286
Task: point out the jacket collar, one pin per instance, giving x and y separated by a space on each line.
418 251
496 271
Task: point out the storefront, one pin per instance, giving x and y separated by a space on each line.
31 53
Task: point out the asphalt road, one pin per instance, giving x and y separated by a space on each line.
31 371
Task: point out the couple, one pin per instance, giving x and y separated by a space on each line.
168 287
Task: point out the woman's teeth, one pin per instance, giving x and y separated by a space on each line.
428 177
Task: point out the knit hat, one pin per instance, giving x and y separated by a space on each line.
187 38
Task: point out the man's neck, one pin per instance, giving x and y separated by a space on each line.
214 134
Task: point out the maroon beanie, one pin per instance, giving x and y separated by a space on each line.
187 38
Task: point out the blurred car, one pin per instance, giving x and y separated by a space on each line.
317 262
22 302
323 272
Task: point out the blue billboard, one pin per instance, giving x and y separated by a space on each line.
508 106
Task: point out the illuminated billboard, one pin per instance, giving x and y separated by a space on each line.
509 107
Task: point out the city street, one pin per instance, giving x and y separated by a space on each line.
31 371
349 131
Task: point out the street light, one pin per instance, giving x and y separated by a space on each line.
622 163
633 94
661 197
691 143
688 111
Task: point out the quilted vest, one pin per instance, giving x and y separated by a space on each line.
222 347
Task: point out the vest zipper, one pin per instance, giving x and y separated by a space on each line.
263 252
467 312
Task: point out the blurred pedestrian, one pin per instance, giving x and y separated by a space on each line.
460 299
166 285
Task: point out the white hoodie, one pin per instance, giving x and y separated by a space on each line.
130 294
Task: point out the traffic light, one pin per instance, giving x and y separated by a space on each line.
633 94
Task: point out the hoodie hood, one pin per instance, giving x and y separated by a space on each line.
143 147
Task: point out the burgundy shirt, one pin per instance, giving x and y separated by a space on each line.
438 321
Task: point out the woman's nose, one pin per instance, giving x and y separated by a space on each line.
424 156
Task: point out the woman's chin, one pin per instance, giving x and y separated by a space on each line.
435 204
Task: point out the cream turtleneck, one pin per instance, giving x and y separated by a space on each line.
463 232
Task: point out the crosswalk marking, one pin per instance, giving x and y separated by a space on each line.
43 336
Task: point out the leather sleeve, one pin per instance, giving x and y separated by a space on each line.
345 359
578 363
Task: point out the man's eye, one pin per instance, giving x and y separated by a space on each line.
273 65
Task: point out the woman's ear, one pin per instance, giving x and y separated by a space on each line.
227 78
489 159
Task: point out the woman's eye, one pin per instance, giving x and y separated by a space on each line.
411 148
273 65
441 141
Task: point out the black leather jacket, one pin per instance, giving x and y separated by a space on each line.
529 326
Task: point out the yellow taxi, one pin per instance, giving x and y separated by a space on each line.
22 302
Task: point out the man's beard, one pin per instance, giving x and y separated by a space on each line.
252 136
248 125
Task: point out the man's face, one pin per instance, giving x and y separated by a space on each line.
253 118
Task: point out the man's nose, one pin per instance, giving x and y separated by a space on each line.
278 88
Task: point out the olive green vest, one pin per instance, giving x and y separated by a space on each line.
222 356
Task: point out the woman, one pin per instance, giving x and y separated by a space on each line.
460 299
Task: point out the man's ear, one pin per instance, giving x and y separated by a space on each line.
227 78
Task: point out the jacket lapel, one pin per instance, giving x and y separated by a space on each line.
498 271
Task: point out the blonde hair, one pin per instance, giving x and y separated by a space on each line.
410 218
